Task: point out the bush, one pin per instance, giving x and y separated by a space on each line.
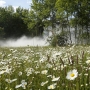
58 39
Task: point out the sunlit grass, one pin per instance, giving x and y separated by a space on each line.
44 68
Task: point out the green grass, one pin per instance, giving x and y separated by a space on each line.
34 68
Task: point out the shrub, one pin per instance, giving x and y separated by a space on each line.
58 39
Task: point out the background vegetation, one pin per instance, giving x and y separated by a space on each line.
66 14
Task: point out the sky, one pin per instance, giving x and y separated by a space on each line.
16 3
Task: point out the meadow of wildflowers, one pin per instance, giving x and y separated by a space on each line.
45 68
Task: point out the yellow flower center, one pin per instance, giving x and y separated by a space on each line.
51 86
88 61
72 75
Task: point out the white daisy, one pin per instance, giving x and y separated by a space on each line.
20 73
72 74
52 86
10 81
44 72
43 83
2 72
23 84
17 86
55 79
88 61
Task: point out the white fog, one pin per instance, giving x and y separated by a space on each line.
24 41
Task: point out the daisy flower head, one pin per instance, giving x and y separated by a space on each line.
23 84
2 72
52 86
56 79
72 74
88 61
20 73
44 72
43 83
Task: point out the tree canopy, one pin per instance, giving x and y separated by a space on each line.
67 14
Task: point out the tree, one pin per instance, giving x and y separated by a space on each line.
1 33
80 10
36 26
13 22
42 15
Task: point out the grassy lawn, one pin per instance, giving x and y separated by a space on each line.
44 68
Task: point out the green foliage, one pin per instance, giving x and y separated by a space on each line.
44 13
53 40
13 22
58 39
1 33
85 35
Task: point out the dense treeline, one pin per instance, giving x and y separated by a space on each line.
15 24
67 14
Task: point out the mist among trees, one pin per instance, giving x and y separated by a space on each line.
63 16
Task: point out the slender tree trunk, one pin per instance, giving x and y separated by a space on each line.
82 34
75 34
69 29
87 34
